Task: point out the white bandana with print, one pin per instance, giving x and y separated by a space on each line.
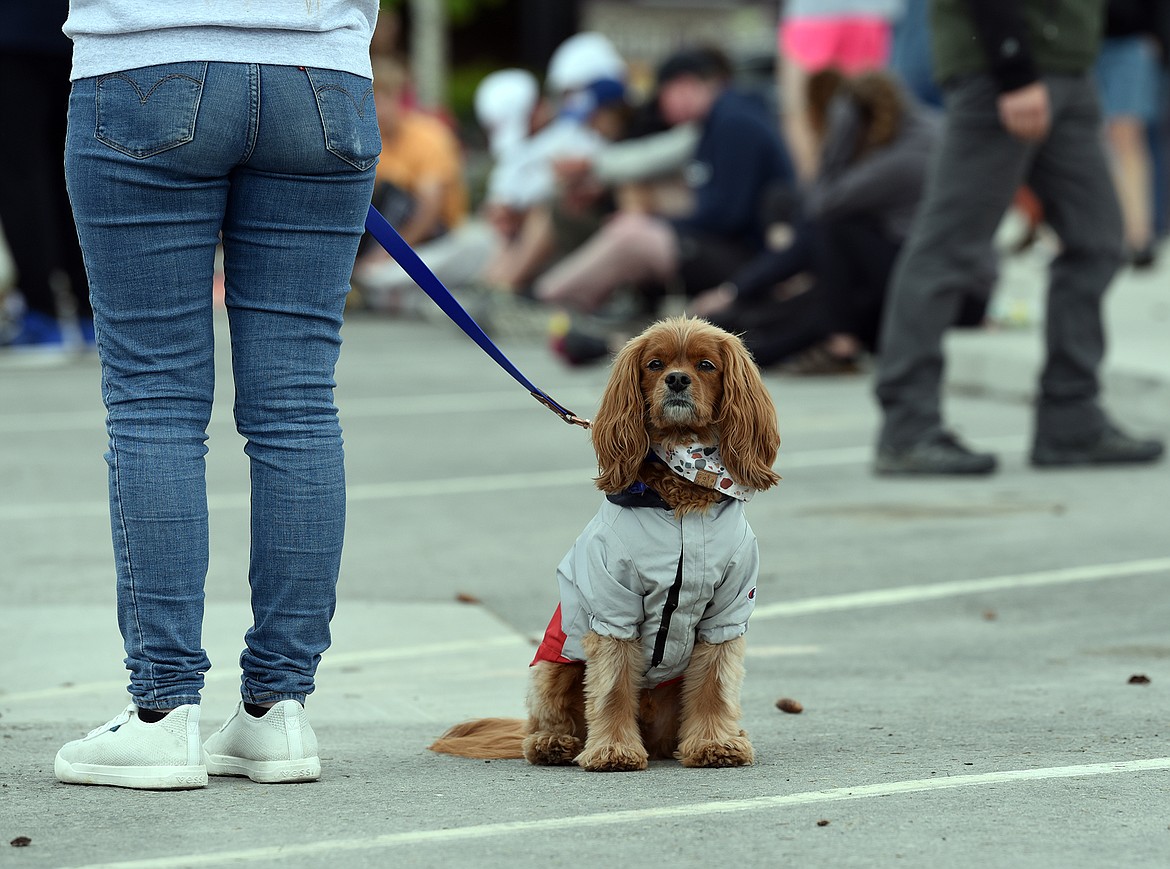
702 464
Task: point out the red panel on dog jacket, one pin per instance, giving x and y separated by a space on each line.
553 643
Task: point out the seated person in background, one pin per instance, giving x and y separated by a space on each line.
874 144
652 154
738 156
513 236
540 218
419 184
554 218
508 108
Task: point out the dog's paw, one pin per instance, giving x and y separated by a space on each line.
546 748
735 751
612 757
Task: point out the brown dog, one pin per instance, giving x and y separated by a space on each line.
644 657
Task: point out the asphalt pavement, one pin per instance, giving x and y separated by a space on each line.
965 650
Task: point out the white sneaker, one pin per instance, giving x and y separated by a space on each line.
129 753
280 746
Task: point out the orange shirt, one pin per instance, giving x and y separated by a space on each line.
424 147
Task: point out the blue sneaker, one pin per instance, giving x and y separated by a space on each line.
88 336
38 330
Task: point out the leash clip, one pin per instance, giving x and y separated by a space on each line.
566 415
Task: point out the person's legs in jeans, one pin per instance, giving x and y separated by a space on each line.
974 174
150 197
153 182
294 217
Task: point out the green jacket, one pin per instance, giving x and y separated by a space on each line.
1016 41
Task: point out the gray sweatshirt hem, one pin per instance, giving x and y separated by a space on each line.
97 54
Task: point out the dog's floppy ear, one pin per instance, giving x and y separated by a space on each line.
619 429
748 434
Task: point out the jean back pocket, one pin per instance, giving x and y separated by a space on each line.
145 111
346 104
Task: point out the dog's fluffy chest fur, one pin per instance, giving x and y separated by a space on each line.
682 495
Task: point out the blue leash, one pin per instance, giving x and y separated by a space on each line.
388 237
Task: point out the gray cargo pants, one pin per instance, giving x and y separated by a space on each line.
976 170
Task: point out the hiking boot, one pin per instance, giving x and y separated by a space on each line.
127 752
942 454
1113 447
279 746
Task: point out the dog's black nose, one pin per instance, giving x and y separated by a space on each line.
678 381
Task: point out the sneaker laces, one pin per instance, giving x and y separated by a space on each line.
115 722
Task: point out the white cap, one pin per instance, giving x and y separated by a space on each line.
504 102
581 60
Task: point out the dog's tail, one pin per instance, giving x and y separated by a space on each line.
484 739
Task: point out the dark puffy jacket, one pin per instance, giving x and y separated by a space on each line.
739 156
1015 41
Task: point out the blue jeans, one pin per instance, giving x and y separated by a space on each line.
161 162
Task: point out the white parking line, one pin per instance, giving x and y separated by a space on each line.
359 492
330 662
477 485
956 588
828 603
331 847
583 399
351 408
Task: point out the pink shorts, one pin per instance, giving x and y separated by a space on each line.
854 44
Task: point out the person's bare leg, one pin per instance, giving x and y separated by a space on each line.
795 128
1131 175
515 264
631 248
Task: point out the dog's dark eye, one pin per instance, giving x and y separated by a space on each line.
706 365
655 365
